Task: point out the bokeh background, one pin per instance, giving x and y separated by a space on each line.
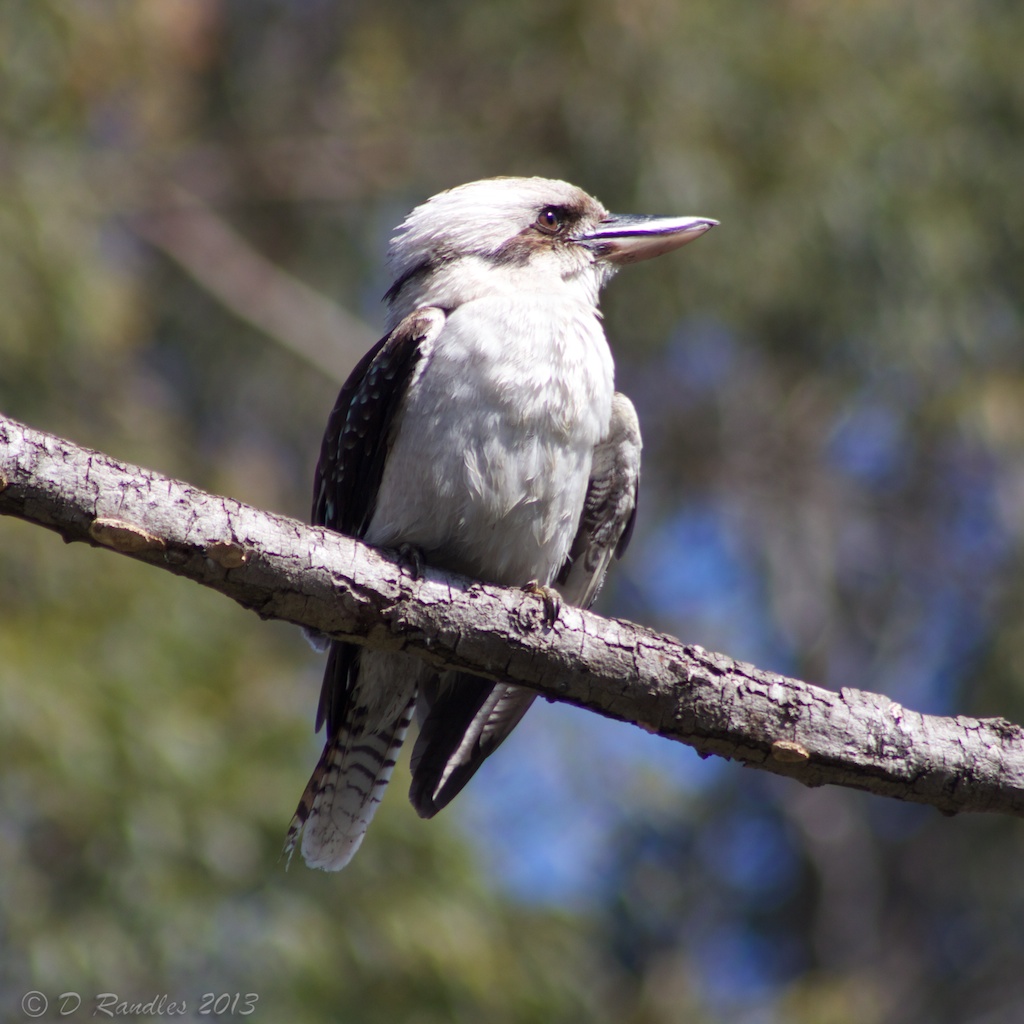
195 200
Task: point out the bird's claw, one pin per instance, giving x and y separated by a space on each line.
411 559
551 598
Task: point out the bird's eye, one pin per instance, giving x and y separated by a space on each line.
551 220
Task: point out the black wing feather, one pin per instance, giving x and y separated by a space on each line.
359 429
359 435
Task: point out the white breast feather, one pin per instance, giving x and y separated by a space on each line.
489 468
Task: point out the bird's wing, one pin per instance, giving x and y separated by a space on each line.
361 745
360 428
609 510
467 718
359 435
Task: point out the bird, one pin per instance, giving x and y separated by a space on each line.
482 435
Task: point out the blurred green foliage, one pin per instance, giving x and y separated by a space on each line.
832 392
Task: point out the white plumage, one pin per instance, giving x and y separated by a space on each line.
489 468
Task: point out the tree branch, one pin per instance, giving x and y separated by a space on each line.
281 568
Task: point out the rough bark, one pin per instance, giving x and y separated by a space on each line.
281 568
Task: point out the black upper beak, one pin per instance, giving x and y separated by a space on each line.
628 239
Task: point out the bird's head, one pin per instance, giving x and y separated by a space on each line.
520 234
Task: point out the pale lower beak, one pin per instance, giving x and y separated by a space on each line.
629 239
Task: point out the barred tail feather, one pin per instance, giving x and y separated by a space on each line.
344 790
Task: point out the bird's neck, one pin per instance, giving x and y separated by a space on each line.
449 284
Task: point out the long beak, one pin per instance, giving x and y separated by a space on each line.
624 238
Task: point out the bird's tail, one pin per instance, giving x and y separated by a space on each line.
344 790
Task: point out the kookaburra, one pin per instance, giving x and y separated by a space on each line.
482 432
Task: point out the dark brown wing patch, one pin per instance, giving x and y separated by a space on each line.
359 429
355 447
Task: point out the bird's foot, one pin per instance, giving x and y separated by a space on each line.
551 598
411 559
